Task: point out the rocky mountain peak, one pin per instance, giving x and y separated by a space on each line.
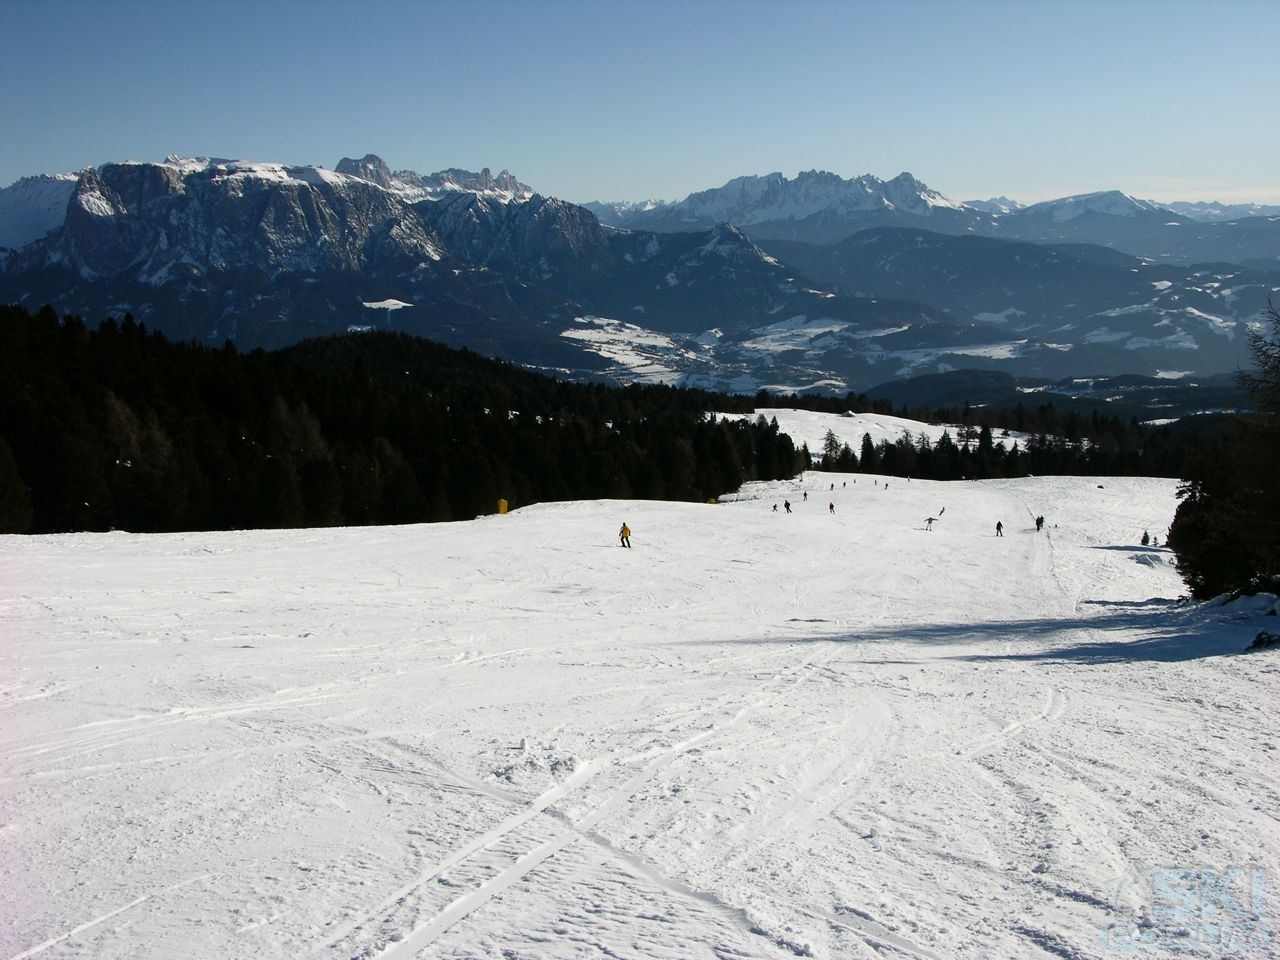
370 167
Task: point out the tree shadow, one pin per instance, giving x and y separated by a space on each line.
1153 630
1137 547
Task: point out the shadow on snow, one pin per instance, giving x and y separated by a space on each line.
1157 629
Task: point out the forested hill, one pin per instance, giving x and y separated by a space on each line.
117 427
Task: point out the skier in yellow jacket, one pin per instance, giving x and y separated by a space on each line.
624 535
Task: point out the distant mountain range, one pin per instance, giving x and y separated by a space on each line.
820 207
811 283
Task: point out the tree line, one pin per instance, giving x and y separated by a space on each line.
117 427
1053 441
980 453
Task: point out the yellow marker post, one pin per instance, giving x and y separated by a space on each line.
502 506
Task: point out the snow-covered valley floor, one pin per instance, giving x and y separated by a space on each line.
753 735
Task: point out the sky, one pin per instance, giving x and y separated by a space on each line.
1165 100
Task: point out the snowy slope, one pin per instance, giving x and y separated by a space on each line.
34 206
753 735
1110 203
810 426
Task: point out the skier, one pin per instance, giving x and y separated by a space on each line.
1039 524
928 523
999 529
833 486
806 495
831 508
624 535
775 508
786 505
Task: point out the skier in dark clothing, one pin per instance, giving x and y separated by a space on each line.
806 495
786 505
775 508
831 508
1039 524
999 529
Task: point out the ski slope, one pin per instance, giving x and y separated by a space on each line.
811 426
753 735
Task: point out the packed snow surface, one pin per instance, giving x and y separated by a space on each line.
755 734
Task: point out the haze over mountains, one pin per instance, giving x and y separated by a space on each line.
811 282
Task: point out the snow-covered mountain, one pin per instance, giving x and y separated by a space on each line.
995 205
1142 228
434 186
814 205
1215 212
1107 203
193 217
33 207
616 213
820 207
267 254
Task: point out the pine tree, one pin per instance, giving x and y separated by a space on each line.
868 458
830 450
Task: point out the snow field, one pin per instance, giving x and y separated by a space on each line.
811 426
753 735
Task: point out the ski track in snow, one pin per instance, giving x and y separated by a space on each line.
753 735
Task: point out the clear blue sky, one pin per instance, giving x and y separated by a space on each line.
597 100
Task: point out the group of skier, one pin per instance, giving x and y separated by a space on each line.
624 535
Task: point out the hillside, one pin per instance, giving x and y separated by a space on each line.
810 427
752 735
